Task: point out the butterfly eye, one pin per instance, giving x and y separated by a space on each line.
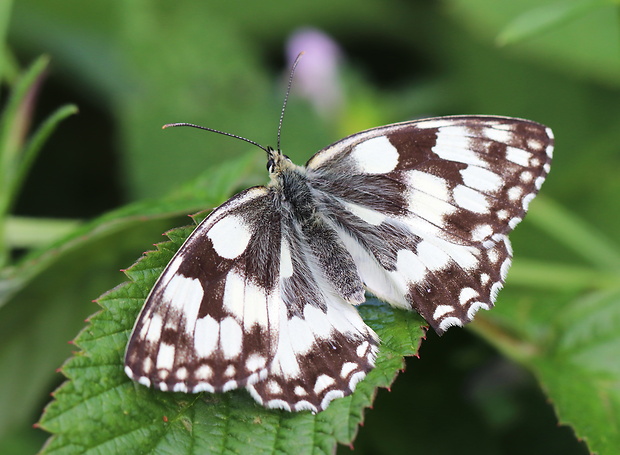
270 165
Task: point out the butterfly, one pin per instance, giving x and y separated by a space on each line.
262 294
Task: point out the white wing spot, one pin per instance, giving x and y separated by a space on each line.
518 156
180 387
375 156
231 337
526 200
493 256
305 406
173 266
497 135
230 236
513 222
300 391
323 382
274 387
453 144
203 373
185 294
484 278
331 396
245 301
229 385
467 294
286 262
163 374
526 177
206 336
549 151
515 193
279 404
470 199
450 322
144 381
429 184
428 197
255 362
481 179
357 377
347 368
147 365
534 144
495 290
362 349
481 232
502 214
433 257
230 371
473 309
181 374
503 271
165 356
203 387
129 372
442 310
538 182
233 298
152 331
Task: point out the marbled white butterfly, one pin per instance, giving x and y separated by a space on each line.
262 293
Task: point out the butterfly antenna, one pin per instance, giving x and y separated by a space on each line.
171 125
288 91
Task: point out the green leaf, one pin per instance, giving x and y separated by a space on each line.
35 143
543 18
575 234
571 345
131 418
15 116
5 13
561 322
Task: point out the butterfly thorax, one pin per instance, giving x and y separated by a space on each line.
289 181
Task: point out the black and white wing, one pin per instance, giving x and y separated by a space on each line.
424 207
239 305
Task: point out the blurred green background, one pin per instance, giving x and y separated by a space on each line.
132 66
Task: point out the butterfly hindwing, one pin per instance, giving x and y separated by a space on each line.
324 346
426 207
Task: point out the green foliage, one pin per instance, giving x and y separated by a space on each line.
16 152
138 65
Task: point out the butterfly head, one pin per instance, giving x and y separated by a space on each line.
277 163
